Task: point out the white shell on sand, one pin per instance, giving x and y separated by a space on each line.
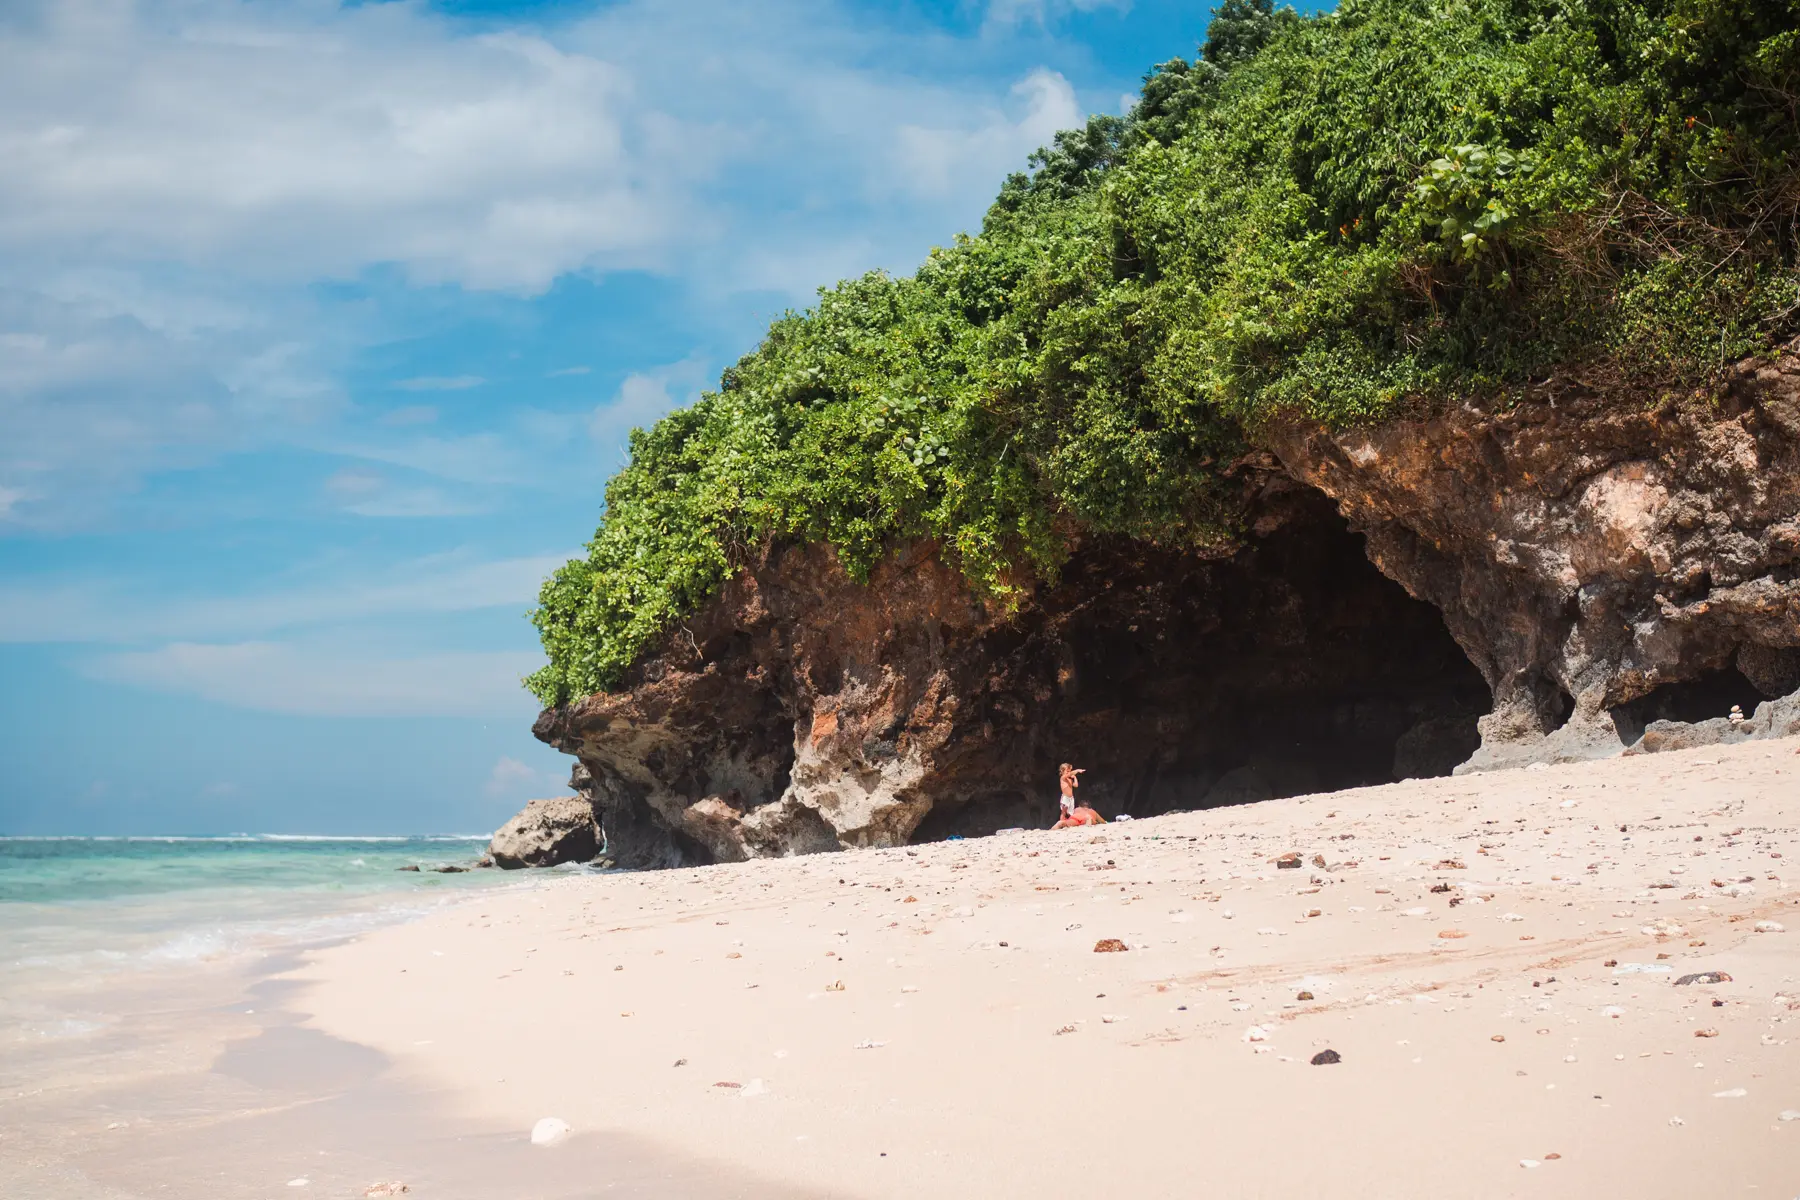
549 1131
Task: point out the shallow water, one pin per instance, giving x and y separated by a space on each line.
79 915
150 1047
112 903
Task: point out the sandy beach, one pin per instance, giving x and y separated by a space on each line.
1497 961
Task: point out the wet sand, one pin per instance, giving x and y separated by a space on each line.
209 1082
1493 958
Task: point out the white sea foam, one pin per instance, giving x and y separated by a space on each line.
193 946
203 838
70 907
335 837
68 1027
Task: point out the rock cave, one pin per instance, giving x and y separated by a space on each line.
795 716
1554 581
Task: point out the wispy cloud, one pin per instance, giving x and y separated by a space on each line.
415 414
96 610
564 371
943 161
307 139
513 780
1006 14
490 457
181 173
644 397
326 681
440 383
367 493
98 390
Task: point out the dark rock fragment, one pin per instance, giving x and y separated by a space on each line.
1703 977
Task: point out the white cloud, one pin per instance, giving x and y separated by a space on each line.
324 681
1004 14
294 140
85 610
643 398
306 138
180 172
565 371
947 161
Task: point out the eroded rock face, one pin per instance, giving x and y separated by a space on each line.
802 711
547 832
1581 574
1604 563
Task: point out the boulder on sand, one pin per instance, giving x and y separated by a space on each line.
547 832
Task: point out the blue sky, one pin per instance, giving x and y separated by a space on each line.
322 326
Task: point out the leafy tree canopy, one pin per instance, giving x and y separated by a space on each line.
1403 202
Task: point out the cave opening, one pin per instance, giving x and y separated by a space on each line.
1708 695
1181 682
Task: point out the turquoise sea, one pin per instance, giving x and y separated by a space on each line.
87 906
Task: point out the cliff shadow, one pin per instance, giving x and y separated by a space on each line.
1181 682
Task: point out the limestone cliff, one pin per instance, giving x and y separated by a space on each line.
1483 587
1602 561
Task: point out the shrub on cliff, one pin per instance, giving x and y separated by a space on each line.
1399 202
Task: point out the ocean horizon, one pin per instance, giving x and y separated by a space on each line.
75 907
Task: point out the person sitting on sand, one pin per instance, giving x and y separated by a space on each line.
1082 815
1073 814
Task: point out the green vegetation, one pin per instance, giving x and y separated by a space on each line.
1403 202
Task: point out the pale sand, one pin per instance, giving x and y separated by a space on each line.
202 1083
938 1069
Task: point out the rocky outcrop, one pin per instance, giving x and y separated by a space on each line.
547 832
1562 578
803 711
1604 561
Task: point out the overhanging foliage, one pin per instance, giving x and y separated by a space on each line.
1399 202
